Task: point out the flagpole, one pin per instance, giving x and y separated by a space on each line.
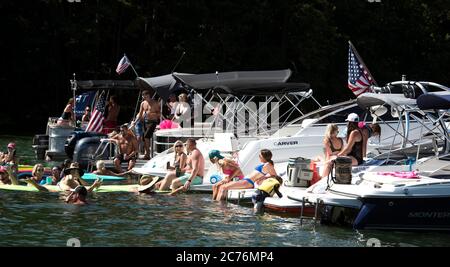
131 65
360 60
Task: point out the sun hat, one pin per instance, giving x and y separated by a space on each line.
215 154
146 182
352 117
73 166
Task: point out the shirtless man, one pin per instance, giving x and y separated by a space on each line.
194 171
149 113
113 114
128 148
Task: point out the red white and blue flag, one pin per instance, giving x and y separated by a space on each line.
359 78
124 63
96 122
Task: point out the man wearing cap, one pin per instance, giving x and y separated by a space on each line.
78 196
128 148
354 147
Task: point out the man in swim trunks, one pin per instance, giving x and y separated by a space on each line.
128 148
110 123
194 171
150 114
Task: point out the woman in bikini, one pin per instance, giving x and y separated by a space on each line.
229 168
332 146
262 171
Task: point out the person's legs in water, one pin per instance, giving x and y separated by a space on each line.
258 201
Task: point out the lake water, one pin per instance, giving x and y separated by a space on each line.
126 219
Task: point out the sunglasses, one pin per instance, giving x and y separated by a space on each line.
179 146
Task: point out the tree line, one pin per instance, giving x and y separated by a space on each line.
45 41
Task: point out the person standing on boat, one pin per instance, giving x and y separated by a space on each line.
194 170
228 167
355 141
86 118
128 148
262 171
150 114
183 111
172 104
332 147
68 116
112 109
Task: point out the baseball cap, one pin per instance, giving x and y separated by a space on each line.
353 117
215 154
80 190
12 145
2 169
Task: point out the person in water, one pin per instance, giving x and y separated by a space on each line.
149 114
332 147
267 188
355 141
128 148
194 170
102 170
7 176
262 171
229 168
78 196
11 156
72 179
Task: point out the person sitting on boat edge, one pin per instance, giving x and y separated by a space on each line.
228 167
261 172
102 170
7 176
333 145
195 169
128 148
179 168
68 116
355 140
267 188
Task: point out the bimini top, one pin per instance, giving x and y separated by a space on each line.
368 100
163 85
106 84
231 80
264 89
435 100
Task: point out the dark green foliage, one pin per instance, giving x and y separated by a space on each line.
44 42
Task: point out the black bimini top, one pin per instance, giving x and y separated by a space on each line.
368 100
435 100
106 84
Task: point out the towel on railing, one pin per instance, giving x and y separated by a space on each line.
405 174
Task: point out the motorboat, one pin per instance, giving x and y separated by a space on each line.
414 199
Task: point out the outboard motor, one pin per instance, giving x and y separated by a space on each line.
85 150
342 170
72 141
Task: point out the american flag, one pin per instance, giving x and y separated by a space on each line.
359 78
124 63
96 122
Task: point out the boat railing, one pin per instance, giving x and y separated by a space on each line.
107 148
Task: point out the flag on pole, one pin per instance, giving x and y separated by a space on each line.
359 78
124 63
96 122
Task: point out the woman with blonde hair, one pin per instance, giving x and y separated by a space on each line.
229 168
179 162
332 147
183 110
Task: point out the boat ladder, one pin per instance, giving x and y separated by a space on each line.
316 210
